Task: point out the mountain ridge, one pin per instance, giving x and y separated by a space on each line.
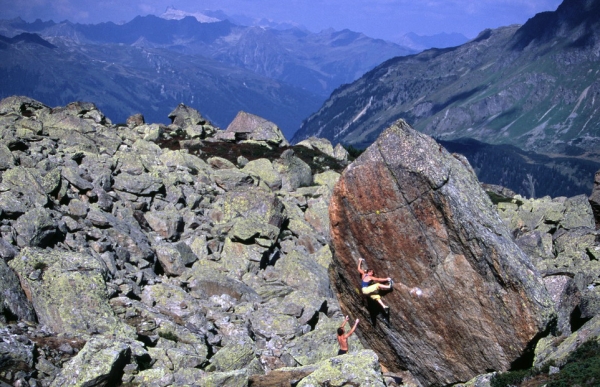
242 62
537 97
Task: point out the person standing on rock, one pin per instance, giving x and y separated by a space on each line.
371 285
342 336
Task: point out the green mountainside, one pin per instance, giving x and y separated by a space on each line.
534 86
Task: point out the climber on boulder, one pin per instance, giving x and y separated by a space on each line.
371 284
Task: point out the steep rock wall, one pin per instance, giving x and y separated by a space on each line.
418 215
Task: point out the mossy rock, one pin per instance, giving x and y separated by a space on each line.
359 369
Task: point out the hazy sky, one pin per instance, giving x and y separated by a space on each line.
387 19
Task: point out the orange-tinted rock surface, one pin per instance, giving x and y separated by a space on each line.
417 214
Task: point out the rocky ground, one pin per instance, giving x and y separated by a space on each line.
187 255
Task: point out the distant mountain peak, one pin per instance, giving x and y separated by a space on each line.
423 42
177 14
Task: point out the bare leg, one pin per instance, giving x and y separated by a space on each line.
380 286
384 306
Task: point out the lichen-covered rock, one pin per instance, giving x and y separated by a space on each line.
483 380
99 363
322 144
294 172
321 343
24 186
268 323
236 378
247 126
16 351
68 291
12 299
253 202
327 178
235 356
302 272
317 215
263 169
578 213
360 369
557 350
340 153
35 228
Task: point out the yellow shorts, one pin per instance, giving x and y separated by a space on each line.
371 291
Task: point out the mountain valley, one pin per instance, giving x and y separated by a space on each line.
151 64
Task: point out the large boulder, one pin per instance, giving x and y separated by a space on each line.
246 126
68 292
417 213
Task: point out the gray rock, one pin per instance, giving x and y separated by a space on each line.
97 364
70 294
13 301
247 126
566 297
167 224
294 172
135 120
23 184
35 228
143 184
7 160
16 351
7 251
595 199
73 176
184 116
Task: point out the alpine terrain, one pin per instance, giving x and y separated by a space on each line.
152 64
534 86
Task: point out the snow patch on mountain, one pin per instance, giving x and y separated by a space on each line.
177 14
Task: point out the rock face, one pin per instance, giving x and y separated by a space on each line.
595 199
418 215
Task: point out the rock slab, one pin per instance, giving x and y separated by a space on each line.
417 214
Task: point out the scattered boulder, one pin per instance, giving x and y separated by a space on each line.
163 254
99 363
246 126
53 280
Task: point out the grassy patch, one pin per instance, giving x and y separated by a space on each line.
317 160
168 335
581 369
